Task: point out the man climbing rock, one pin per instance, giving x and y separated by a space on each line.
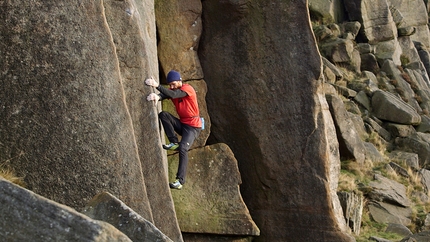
188 125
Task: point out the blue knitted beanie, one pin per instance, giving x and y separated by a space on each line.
173 76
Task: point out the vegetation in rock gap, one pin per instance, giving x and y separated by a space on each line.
371 228
8 173
355 177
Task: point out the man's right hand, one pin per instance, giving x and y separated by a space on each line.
153 97
151 82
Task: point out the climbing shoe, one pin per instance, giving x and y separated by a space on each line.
171 146
175 185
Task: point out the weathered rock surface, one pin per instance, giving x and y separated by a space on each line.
362 99
133 32
399 169
418 237
388 202
375 17
342 52
107 208
338 75
210 201
179 27
404 158
74 103
350 144
387 213
27 216
413 14
63 105
398 229
73 106
389 191
399 130
376 127
372 153
390 108
359 125
425 179
327 12
406 93
277 117
417 143
352 205
424 126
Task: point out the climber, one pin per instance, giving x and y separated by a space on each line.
188 125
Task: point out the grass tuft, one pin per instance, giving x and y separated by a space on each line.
9 174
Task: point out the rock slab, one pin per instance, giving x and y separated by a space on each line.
387 106
107 208
64 115
210 201
267 105
27 216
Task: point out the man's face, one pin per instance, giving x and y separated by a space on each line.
175 85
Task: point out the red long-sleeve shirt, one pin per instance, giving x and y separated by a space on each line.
185 101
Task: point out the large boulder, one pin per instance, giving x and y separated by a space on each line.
342 53
399 229
369 62
424 56
210 201
410 54
65 124
268 106
388 107
418 237
108 208
388 191
27 216
388 213
404 158
375 18
350 143
425 179
359 125
413 14
373 124
326 11
402 83
132 26
399 130
424 126
418 143
372 153
179 27
388 50
378 28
